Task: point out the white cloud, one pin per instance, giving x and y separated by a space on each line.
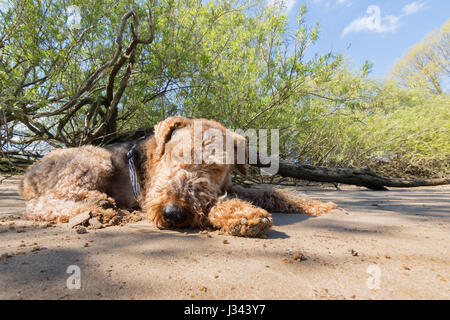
413 7
374 22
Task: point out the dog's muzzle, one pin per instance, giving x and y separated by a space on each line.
174 214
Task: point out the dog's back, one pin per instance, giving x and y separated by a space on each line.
64 170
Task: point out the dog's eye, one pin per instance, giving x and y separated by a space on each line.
170 135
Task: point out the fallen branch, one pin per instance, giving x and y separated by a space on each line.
358 177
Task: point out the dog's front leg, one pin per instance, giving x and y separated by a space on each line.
282 200
240 218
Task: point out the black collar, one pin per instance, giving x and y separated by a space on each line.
133 177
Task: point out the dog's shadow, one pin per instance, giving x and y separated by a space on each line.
279 219
282 219
271 234
275 234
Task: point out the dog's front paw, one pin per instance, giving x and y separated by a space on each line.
240 218
254 228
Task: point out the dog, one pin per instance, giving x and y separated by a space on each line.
178 188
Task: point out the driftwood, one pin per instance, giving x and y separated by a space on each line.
358 177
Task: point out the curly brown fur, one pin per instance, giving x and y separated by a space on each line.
282 200
68 182
240 218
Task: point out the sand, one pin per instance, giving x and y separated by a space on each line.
379 245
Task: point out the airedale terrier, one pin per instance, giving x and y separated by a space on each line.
179 189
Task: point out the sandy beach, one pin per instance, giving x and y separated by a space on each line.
378 245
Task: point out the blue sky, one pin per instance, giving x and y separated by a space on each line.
380 31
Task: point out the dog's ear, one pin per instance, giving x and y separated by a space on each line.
164 130
240 153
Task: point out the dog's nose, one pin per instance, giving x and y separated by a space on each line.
174 214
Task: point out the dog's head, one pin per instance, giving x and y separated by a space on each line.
188 168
